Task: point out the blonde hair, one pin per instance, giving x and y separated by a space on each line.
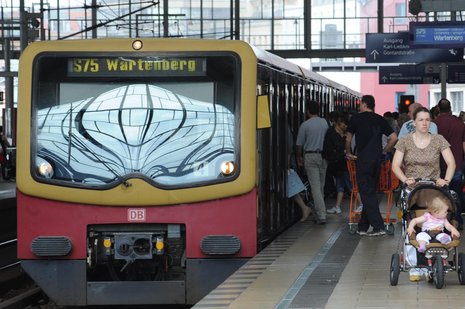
437 204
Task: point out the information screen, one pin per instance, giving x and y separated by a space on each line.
134 67
438 34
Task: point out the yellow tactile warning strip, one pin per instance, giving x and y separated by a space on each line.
272 272
224 295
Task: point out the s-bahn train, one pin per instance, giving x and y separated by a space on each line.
149 170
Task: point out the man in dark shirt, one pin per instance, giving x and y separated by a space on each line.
368 129
453 130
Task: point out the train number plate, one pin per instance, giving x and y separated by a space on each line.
136 215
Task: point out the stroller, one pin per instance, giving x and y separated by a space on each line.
438 259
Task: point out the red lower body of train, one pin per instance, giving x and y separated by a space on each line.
99 255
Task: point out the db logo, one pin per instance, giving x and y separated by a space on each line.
136 214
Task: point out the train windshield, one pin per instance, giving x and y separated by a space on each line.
170 120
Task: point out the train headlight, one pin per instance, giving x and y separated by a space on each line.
137 44
44 168
227 168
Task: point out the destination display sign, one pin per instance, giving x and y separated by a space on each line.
395 48
456 74
437 34
407 74
145 66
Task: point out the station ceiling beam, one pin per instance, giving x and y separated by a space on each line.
320 53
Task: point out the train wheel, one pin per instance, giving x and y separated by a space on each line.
438 272
395 269
460 268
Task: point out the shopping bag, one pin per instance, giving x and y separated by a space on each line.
294 183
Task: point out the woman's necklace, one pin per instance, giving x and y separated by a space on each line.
421 142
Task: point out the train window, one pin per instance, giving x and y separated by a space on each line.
171 120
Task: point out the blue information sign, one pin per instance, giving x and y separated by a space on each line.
407 74
395 48
437 34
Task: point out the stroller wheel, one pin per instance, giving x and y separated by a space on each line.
390 229
395 269
438 272
352 228
460 269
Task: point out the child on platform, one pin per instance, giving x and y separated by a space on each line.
433 223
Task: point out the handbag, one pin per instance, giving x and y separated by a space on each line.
294 183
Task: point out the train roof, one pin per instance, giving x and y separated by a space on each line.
262 55
284 64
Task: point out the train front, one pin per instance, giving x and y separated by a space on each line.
136 168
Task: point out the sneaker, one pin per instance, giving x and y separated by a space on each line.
377 233
362 233
331 210
428 276
334 210
359 208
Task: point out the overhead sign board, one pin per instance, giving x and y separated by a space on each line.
407 74
437 34
395 48
456 74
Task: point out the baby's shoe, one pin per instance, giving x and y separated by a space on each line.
422 248
444 239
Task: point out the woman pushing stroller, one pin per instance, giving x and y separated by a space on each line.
419 153
418 156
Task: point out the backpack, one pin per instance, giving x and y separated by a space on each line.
333 152
329 146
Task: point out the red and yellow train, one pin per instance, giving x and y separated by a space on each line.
149 170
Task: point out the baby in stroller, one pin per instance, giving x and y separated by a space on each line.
429 211
432 223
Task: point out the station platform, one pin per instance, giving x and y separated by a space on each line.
7 210
7 189
325 266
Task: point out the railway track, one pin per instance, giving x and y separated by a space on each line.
8 254
17 290
26 299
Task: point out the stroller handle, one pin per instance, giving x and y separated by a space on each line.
430 181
